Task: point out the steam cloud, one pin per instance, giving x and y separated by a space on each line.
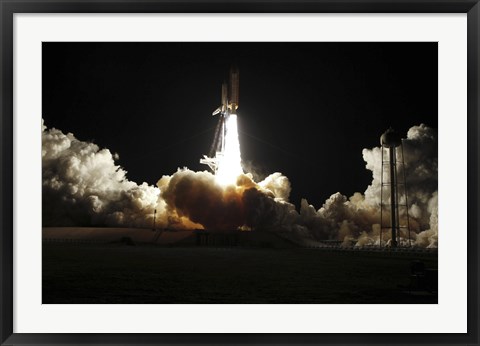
82 186
357 218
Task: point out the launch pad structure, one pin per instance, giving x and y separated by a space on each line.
229 105
393 188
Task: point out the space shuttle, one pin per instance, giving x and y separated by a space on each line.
230 93
228 107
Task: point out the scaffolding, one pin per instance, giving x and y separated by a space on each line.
393 193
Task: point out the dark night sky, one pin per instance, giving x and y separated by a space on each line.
306 109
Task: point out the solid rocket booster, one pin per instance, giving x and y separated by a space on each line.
224 97
234 89
230 94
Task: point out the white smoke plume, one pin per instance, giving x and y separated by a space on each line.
82 186
357 219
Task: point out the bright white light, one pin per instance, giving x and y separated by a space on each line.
229 165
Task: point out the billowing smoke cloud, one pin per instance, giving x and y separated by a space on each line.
357 218
83 186
198 197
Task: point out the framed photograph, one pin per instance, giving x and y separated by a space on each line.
239 172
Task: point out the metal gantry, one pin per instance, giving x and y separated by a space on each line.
396 191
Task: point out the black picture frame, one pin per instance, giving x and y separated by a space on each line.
7 10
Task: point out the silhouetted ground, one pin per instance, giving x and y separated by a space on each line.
94 273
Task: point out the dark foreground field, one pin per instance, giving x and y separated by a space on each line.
158 275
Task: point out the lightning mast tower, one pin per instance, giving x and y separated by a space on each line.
392 187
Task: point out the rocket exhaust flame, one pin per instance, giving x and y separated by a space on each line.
229 164
225 157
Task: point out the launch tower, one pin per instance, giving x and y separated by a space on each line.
393 191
